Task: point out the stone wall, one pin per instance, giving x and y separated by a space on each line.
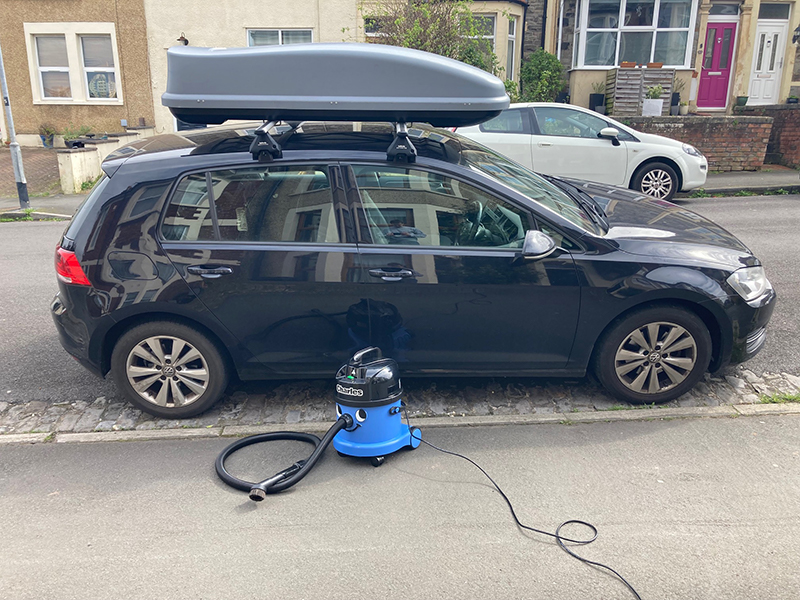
784 140
731 143
534 34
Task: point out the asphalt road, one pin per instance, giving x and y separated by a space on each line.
686 509
34 367
769 226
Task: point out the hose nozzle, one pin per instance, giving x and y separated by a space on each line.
257 494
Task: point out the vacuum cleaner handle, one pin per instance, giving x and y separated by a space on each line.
358 357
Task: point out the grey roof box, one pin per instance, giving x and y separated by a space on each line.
330 82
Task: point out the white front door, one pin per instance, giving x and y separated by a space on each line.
765 81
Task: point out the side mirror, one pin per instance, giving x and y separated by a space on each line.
537 244
610 133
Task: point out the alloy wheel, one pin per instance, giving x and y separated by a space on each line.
167 371
655 358
657 183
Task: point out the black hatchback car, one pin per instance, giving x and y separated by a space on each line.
191 263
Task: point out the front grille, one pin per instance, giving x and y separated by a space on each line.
755 340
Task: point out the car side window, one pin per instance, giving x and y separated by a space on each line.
568 123
411 207
256 204
512 120
188 216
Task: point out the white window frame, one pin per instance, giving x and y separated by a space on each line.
72 33
372 34
42 70
280 31
583 29
493 36
511 47
85 70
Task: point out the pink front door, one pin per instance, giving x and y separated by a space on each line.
715 72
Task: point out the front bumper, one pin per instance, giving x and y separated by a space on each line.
695 173
750 326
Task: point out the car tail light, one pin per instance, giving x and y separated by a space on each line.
453 129
68 268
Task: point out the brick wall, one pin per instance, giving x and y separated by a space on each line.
731 143
784 140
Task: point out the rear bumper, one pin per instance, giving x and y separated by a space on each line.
73 328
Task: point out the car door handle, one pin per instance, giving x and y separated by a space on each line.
544 144
391 275
209 272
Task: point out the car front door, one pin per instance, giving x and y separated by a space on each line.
263 248
446 287
566 144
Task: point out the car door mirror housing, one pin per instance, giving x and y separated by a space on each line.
610 133
537 244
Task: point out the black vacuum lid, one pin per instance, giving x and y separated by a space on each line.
368 379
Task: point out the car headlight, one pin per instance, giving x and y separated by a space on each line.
692 151
749 282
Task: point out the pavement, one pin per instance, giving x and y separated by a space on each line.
41 172
772 179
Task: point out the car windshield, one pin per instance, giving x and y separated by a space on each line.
526 182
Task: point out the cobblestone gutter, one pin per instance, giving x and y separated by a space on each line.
311 402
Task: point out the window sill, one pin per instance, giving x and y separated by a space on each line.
115 102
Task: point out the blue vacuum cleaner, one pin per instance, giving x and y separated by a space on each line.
369 424
369 391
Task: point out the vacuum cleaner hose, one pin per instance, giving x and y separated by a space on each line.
289 476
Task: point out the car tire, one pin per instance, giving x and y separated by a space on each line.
170 387
653 355
658 180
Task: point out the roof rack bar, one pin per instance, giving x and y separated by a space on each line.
401 149
264 147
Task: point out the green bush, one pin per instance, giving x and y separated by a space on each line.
512 89
541 77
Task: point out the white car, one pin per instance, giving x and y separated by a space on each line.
570 141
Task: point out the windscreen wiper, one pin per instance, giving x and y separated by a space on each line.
596 212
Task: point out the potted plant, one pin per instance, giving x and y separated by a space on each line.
46 134
741 100
597 100
792 100
653 103
73 134
684 108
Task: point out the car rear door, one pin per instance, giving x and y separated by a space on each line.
566 144
440 268
263 247
509 133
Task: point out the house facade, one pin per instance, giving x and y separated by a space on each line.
233 23
73 63
719 50
103 63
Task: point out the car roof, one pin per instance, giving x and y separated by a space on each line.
310 136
